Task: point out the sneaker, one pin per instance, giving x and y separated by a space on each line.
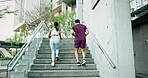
52 64
83 63
57 58
78 63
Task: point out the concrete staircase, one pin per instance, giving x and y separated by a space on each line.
22 66
65 67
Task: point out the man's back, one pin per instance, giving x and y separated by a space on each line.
79 30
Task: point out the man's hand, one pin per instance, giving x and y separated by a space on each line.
86 32
72 32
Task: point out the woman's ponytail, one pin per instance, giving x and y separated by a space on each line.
56 26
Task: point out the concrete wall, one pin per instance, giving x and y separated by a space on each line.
31 6
22 7
110 24
19 7
140 40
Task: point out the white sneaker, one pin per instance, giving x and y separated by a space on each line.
52 64
83 62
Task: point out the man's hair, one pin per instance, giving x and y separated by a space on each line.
55 23
77 21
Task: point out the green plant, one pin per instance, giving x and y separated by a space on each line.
66 21
6 58
17 39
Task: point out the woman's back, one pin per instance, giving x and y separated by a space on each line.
54 31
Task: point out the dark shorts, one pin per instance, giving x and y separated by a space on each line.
79 43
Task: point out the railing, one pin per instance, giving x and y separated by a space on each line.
136 4
37 35
101 48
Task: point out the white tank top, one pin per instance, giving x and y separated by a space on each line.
54 31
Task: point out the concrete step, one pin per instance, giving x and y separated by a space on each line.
32 49
64 77
61 61
62 67
41 49
61 43
17 75
62 56
64 39
61 51
25 61
61 46
63 73
28 56
20 68
30 53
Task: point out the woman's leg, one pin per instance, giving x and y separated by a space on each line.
57 46
52 49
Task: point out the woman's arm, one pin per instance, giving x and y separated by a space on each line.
60 34
49 33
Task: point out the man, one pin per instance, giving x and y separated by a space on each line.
80 32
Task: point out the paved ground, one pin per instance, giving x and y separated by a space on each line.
141 75
3 71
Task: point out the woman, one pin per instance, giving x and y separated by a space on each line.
54 35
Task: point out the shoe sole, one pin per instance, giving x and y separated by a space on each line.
78 64
52 65
83 64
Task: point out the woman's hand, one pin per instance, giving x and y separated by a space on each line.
61 38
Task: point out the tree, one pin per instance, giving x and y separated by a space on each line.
44 12
66 21
4 11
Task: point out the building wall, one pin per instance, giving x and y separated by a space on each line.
54 4
19 16
22 7
140 37
110 24
140 40
31 6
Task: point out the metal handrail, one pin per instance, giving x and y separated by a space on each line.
14 61
102 49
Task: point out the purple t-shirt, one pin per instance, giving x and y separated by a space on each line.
79 30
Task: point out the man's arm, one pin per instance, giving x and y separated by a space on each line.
72 32
86 32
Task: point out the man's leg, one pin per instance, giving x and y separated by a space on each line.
83 52
76 54
76 45
83 44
